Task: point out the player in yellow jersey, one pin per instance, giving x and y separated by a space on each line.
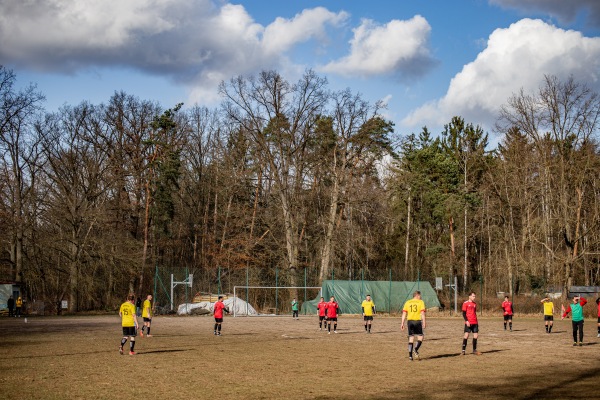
548 314
129 323
414 312
147 316
368 310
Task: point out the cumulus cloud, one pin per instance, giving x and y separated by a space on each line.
284 33
564 10
397 48
194 42
516 57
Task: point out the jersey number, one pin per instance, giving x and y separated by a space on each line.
413 308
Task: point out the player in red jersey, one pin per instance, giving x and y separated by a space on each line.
598 303
332 313
322 310
218 309
507 308
469 310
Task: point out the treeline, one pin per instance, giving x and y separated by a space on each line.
292 179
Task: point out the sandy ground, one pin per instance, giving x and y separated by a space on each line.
280 358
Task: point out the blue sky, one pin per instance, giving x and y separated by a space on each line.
427 59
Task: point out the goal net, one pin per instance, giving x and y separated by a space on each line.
274 301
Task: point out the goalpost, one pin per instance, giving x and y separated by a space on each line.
276 299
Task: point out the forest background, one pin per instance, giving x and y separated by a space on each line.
295 183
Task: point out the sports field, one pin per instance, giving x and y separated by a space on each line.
281 358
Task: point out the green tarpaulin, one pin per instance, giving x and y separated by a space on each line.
387 295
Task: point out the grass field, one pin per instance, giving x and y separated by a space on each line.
281 358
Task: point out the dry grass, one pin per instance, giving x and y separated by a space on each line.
279 358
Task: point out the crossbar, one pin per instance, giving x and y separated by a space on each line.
269 287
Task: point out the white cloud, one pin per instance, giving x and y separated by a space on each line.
516 57
397 48
564 10
283 33
385 101
194 42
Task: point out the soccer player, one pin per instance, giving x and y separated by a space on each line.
507 307
322 311
19 305
469 310
147 315
414 311
332 313
294 308
129 323
598 304
577 318
218 309
368 310
548 314
11 306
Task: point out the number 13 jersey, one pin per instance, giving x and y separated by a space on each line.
413 309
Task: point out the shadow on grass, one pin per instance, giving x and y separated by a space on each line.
492 351
449 355
572 384
59 355
163 351
164 336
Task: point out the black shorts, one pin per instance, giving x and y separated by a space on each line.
551 318
507 317
147 319
474 328
321 317
219 320
368 318
129 331
334 319
599 320
415 328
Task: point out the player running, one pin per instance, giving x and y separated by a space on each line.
368 310
577 318
218 309
414 311
129 324
507 308
147 316
548 314
598 304
322 311
332 313
469 310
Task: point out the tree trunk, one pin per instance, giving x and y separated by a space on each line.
146 238
465 258
407 241
73 274
327 240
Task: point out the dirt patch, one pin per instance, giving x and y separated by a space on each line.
277 358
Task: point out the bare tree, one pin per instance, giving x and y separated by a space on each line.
279 116
562 121
19 147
